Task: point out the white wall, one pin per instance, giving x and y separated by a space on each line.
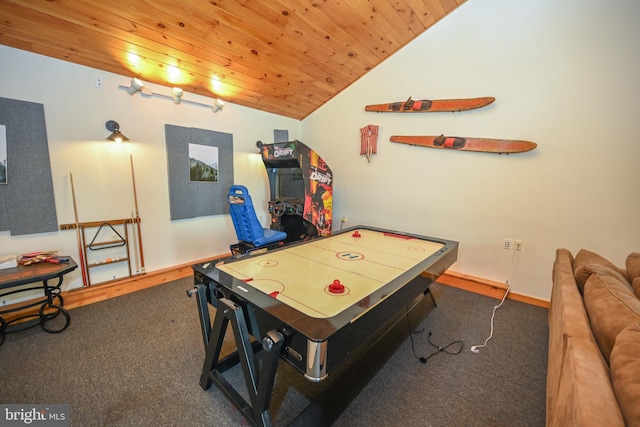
76 112
564 74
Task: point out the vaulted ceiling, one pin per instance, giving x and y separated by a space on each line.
287 57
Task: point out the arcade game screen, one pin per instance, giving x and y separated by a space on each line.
286 183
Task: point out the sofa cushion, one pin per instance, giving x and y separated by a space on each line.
625 373
633 266
636 286
585 395
611 306
588 262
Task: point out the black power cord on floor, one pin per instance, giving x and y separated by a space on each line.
444 349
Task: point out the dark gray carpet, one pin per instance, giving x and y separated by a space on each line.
136 361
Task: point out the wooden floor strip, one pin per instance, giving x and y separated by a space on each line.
486 287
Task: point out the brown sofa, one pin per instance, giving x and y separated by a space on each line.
593 372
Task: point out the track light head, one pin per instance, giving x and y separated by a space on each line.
177 95
136 85
217 106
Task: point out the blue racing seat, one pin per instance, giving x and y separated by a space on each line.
245 221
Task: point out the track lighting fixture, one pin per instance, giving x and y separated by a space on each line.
217 106
114 128
136 85
177 95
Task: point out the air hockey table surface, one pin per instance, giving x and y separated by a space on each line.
325 277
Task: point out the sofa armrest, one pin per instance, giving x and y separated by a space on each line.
567 318
585 395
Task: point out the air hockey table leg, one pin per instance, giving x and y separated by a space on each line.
213 345
200 291
259 382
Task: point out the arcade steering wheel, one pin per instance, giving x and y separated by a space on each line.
278 208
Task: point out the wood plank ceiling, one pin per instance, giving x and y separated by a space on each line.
287 57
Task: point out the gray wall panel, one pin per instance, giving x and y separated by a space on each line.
27 200
189 199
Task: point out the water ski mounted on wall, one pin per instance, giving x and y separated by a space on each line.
486 145
427 106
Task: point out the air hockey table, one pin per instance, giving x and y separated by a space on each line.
315 305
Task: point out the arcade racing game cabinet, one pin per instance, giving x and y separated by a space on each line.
300 182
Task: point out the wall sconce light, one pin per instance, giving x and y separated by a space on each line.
114 128
217 106
136 85
177 95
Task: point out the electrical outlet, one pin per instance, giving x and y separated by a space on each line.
3 303
344 219
517 245
99 82
507 244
